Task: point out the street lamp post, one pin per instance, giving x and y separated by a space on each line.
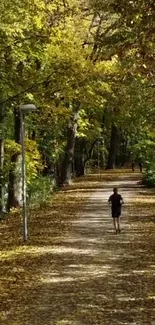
23 110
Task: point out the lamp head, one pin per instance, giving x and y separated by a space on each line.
27 108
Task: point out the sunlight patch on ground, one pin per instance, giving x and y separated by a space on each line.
57 279
129 298
143 272
44 250
144 200
75 272
66 322
75 276
124 298
120 184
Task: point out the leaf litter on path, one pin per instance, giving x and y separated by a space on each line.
74 269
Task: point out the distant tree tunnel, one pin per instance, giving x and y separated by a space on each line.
113 147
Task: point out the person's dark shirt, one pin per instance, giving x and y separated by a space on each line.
115 200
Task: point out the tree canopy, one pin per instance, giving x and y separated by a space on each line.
89 68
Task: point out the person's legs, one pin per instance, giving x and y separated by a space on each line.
115 226
116 220
118 224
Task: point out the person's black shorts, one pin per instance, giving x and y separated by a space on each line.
116 213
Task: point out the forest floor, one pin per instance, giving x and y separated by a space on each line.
74 269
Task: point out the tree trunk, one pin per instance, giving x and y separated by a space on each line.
79 157
80 166
84 152
15 174
1 175
113 147
15 182
66 167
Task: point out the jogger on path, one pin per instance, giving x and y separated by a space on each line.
116 201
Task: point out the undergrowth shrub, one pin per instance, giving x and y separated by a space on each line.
149 176
40 190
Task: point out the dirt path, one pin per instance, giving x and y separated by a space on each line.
93 276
